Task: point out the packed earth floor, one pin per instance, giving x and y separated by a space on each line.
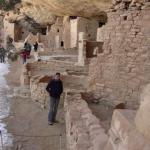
27 122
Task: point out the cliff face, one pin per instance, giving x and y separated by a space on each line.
86 8
46 10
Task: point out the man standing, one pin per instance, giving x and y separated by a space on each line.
55 89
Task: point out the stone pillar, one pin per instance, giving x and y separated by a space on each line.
57 41
66 33
38 37
82 49
142 119
47 30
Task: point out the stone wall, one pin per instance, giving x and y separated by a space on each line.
119 73
89 27
38 90
48 41
87 49
53 66
38 86
84 131
64 33
9 29
53 39
49 68
80 24
15 31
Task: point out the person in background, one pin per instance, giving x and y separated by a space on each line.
2 54
55 89
36 45
27 47
24 55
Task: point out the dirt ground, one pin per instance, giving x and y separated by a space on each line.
27 122
103 112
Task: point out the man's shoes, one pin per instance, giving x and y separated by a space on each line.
50 123
56 121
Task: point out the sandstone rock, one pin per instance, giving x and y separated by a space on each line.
85 8
123 133
142 118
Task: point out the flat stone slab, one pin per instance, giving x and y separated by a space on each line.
123 132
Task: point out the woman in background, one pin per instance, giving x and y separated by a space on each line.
36 56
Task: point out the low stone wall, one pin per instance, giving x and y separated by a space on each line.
84 131
53 66
38 90
38 87
49 68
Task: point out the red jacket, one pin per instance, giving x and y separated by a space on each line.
23 54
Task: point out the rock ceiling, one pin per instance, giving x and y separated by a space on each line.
45 10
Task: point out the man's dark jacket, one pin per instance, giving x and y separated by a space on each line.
35 47
55 88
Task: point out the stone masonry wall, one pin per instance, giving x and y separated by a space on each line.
53 66
49 68
84 131
38 92
119 73
38 85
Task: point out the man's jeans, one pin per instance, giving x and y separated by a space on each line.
53 106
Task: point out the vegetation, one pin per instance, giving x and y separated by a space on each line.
8 4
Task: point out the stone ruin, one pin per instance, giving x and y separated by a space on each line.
64 33
38 85
120 72
85 131
112 67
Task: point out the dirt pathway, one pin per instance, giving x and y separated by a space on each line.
27 122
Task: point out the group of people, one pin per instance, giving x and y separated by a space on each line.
54 87
26 51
